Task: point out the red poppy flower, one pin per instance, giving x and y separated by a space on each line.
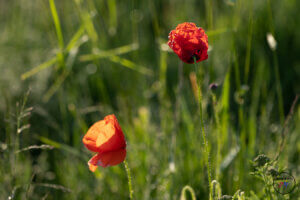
189 41
107 139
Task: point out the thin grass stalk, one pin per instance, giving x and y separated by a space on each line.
57 24
206 150
225 109
113 19
241 120
252 125
249 42
134 24
28 186
86 20
209 13
60 55
285 127
276 66
177 110
15 141
278 89
219 136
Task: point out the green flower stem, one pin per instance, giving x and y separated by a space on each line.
219 139
129 179
177 111
207 159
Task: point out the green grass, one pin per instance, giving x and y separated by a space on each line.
66 64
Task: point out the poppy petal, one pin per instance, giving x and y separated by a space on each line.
107 159
110 139
93 163
90 138
105 135
112 158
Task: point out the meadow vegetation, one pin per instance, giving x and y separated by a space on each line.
66 64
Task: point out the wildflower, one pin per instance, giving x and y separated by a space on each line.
213 86
107 139
189 41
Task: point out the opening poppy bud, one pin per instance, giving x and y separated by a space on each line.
107 139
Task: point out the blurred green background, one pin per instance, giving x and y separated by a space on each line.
82 60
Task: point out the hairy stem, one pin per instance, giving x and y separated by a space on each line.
203 131
129 179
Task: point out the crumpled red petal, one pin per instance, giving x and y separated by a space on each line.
107 159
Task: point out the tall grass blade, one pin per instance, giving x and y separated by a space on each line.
249 42
276 66
52 186
112 8
56 85
131 65
76 37
39 68
225 109
215 32
57 145
87 22
74 40
69 64
34 147
57 24
113 52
